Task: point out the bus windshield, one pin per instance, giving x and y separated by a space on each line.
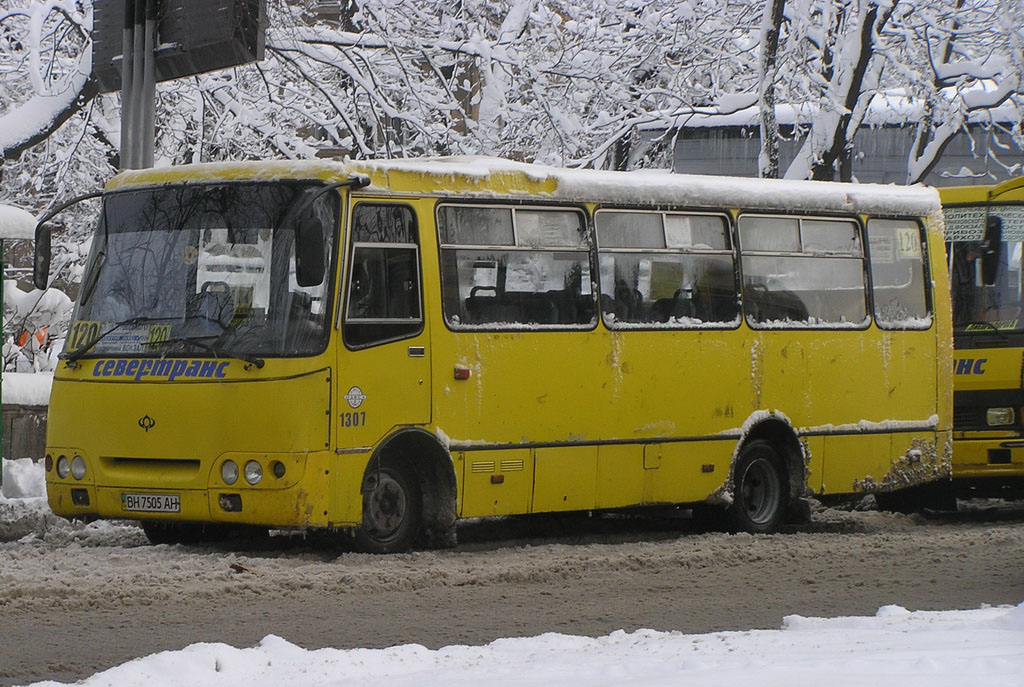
987 268
204 270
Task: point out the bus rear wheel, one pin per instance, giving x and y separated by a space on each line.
759 490
392 511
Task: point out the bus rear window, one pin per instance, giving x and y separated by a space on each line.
897 274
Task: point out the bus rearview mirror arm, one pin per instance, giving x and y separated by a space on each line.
43 251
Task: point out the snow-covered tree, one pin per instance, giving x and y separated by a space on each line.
944 62
598 83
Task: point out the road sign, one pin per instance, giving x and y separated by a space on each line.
193 36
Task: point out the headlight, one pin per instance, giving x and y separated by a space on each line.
78 467
63 467
999 416
229 472
253 472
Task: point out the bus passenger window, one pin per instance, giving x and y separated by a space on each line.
802 272
897 274
514 268
383 301
666 270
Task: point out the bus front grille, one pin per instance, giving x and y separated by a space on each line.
153 472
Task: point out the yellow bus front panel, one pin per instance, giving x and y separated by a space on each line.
169 438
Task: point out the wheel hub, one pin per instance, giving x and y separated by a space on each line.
387 506
761 490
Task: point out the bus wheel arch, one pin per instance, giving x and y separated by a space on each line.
414 456
770 446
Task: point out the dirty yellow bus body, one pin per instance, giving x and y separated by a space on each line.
985 234
548 340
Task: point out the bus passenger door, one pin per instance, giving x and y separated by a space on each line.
383 377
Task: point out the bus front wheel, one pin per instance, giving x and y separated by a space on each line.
759 490
392 510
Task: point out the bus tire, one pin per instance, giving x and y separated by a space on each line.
759 490
392 510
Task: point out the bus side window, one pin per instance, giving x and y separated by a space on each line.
668 270
897 274
383 299
802 272
514 268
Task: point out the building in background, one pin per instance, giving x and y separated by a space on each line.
983 151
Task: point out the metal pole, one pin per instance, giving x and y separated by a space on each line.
127 63
3 339
148 97
137 95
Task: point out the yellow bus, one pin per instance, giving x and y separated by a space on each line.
985 241
385 347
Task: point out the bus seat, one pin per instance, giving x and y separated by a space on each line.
665 309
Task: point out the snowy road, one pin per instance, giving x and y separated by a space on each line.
75 599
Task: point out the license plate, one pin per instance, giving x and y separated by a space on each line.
151 503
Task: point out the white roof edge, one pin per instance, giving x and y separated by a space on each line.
16 223
661 187
640 187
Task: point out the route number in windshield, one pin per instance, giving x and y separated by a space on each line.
159 332
81 334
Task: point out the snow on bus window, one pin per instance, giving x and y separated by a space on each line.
548 229
629 230
699 232
476 226
772 234
836 237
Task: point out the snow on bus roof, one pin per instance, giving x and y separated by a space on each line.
495 177
16 223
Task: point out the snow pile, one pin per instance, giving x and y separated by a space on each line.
27 388
25 516
22 479
16 223
936 649
23 507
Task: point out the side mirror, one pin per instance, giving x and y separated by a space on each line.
993 251
41 264
309 251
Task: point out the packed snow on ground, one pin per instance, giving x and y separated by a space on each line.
933 648
907 648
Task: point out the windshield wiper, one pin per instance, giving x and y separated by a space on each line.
76 354
251 360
